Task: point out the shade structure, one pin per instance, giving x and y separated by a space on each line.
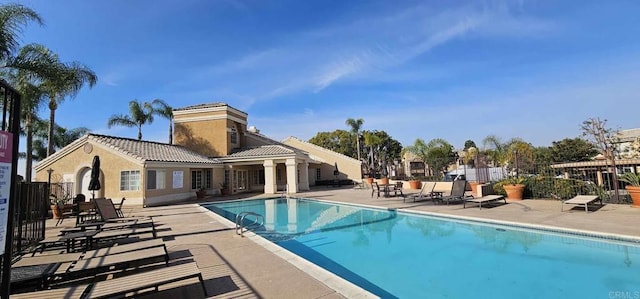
94 183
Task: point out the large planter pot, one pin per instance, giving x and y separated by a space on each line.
474 188
369 181
414 184
634 192
201 194
56 212
384 181
514 192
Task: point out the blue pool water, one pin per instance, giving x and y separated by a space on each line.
403 255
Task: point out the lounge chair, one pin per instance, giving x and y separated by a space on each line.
118 207
426 192
105 264
582 200
483 199
458 189
71 257
108 212
118 287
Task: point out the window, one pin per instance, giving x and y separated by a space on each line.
130 180
201 178
156 179
234 136
258 177
318 174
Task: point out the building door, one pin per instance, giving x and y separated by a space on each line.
85 178
242 180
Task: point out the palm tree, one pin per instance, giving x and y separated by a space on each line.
71 77
13 18
62 138
419 150
356 125
139 114
160 108
371 140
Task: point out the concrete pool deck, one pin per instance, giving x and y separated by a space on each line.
241 267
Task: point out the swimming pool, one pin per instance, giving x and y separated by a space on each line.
404 255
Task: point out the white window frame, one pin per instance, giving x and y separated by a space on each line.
130 180
160 179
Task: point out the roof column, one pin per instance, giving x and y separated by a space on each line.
292 176
269 177
304 176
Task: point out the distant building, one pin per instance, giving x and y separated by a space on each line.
213 150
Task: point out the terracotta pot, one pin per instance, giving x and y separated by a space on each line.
57 214
514 192
634 192
414 184
384 181
369 181
474 188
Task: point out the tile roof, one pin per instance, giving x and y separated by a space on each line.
200 106
151 151
261 151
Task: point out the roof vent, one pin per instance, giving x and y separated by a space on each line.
253 129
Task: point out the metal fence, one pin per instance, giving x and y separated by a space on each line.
31 213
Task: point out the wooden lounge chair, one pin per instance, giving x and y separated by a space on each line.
581 200
71 257
484 199
118 287
104 264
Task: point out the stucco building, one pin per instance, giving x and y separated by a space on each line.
214 150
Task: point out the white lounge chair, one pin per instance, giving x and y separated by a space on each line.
484 199
582 200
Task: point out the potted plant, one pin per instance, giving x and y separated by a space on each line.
58 206
414 183
514 187
201 192
633 179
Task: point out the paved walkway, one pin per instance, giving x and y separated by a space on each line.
237 267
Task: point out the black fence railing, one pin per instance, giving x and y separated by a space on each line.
31 213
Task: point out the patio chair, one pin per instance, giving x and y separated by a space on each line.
119 287
582 200
397 188
108 212
118 207
75 256
458 189
106 264
426 192
483 199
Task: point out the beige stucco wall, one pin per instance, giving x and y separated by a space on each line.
209 137
349 168
72 166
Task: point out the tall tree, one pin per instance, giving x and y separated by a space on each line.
139 115
160 108
339 141
440 155
71 77
469 144
13 19
356 125
62 138
603 138
572 150
419 150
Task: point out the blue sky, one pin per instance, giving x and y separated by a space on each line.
456 70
